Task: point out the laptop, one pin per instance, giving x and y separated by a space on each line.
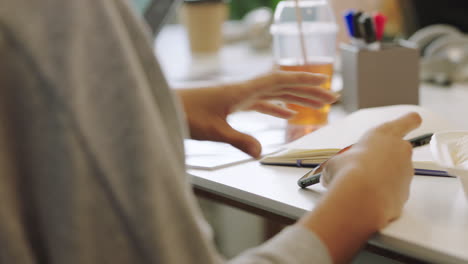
156 13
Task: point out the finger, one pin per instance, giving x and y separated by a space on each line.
326 177
288 78
273 110
315 93
311 92
401 126
244 142
292 99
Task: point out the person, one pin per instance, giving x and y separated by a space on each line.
91 149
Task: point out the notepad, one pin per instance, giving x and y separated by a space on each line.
316 147
207 155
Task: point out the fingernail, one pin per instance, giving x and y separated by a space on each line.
255 151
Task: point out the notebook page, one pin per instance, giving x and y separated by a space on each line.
348 130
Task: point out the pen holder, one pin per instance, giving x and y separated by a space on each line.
385 76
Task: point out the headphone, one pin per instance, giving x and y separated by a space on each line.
444 52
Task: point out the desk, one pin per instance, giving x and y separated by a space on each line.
434 223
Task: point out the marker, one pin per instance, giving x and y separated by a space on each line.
380 21
313 177
348 19
366 25
352 22
357 30
421 140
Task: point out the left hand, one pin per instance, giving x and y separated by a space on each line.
206 109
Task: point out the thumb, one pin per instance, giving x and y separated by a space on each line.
244 142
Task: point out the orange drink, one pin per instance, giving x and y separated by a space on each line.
304 39
306 115
308 119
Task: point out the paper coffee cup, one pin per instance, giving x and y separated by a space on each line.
203 20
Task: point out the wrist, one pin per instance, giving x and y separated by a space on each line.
346 217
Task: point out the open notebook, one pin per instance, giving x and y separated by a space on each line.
320 145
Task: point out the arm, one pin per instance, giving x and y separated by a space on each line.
206 109
363 198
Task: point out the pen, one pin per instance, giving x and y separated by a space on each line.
313 177
421 140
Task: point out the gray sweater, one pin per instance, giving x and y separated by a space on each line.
91 149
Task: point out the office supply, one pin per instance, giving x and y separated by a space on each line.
313 177
327 141
348 20
356 27
379 21
206 155
348 130
421 140
366 25
209 155
388 75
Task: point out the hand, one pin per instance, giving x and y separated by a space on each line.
207 108
381 163
368 187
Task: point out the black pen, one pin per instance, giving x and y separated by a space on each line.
313 177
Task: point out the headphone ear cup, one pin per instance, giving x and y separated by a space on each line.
425 36
461 73
444 43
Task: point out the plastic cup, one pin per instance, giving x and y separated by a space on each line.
304 39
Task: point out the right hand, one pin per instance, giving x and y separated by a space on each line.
379 164
367 188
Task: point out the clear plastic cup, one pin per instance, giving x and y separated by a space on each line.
304 39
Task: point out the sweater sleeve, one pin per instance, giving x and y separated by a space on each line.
96 159
295 244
